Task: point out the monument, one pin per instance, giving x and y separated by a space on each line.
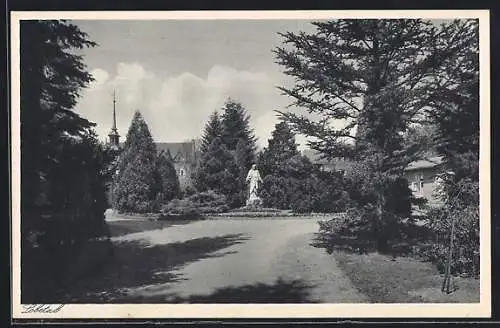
253 180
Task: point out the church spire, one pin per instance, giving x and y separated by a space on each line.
114 112
114 137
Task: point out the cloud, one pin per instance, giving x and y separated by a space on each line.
100 77
176 108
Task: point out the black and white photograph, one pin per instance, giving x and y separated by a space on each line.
232 164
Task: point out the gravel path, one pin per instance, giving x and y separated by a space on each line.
270 260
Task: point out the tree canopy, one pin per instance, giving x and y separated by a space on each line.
63 165
169 188
236 129
213 129
137 184
376 76
218 171
364 83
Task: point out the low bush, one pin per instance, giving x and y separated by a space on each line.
180 208
465 256
195 206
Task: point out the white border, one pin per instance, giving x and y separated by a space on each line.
105 311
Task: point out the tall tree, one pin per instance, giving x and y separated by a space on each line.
62 162
236 129
213 129
457 117
51 77
290 180
217 171
457 110
137 183
377 77
281 147
170 187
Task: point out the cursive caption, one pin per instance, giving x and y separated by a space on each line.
42 308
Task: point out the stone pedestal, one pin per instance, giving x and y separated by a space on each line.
254 201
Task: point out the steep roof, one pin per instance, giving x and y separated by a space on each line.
180 151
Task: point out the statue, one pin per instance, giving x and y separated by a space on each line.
254 180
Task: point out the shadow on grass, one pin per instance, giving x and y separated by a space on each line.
407 240
133 264
281 291
123 227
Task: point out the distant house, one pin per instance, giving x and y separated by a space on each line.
184 155
337 164
422 175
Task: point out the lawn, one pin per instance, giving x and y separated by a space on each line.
403 280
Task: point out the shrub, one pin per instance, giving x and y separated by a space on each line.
465 257
194 206
180 208
209 202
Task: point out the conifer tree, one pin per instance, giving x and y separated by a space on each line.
213 129
281 147
137 184
457 110
51 78
62 163
290 180
377 77
167 174
218 171
457 141
236 129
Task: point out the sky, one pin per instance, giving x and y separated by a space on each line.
176 73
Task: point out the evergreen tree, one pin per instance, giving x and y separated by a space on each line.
378 77
51 77
213 129
457 110
281 147
457 138
167 174
218 171
290 179
137 184
236 129
62 162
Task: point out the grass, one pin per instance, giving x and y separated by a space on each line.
403 280
124 227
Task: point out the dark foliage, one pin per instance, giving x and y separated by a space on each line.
218 171
378 77
213 129
63 165
291 181
167 174
137 183
195 206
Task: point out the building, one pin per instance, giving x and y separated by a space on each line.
114 137
422 175
338 164
423 178
184 154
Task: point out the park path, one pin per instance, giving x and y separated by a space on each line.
266 260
